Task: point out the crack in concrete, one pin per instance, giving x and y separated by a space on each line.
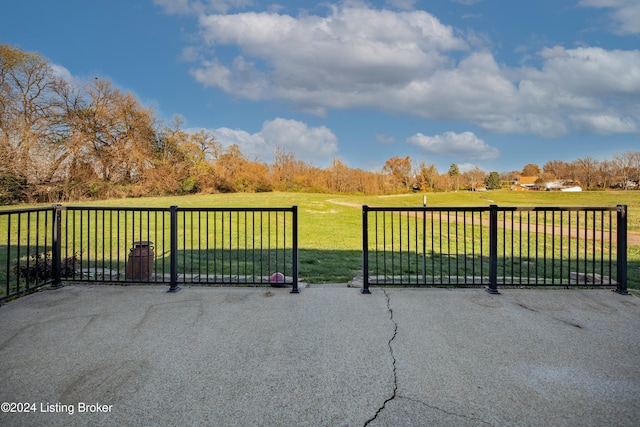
435 408
395 394
393 358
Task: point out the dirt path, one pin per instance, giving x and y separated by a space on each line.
633 238
351 205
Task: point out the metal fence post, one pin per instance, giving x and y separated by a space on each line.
622 250
493 250
424 241
173 255
294 211
56 247
365 250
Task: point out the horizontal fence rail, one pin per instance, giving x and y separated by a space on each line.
204 246
487 246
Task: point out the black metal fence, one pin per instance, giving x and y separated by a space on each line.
207 246
487 246
475 246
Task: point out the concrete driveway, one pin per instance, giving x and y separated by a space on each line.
329 356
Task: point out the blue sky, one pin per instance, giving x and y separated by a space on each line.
489 83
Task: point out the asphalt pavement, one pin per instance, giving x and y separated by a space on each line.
97 355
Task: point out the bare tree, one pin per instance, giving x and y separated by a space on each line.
117 133
30 108
558 169
587 169
291 174
627 167
606 174
475 177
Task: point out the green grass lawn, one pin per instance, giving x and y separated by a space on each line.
330 226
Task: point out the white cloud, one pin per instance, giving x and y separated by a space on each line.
402 4
592 71
605 123
544 124
212 73
200 6
410 63
467 2
354 49
625 14
190 54
242 78
315 145
577 83
465 145
307 143
62 73
470 90
384 139
466 167
251 145
175 6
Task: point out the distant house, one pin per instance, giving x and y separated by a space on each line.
526 183
554 185
566 186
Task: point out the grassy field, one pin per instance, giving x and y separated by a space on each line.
330 226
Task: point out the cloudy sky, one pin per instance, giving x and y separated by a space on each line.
492 83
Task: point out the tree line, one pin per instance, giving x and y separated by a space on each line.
61 141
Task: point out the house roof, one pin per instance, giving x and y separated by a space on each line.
527 180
